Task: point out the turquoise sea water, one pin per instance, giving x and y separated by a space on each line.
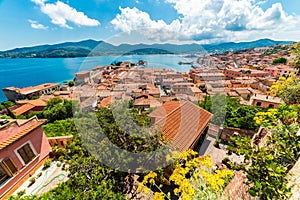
24 72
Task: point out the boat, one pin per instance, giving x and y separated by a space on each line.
184 63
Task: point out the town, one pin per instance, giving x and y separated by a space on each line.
201 110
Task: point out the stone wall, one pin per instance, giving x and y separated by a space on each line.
227 132
237 189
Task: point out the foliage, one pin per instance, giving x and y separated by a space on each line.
141 119
2 107
297 48
280 60
32 180
47 164
34 97
206 103
7 104
288 89
192 178
266 166
60 128
88 177
229 112
71 83
59 109
117 132
5 117
271 51
242 117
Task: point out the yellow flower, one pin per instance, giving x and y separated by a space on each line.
185 197
140 187
146 190
158 196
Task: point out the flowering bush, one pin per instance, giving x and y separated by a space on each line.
288 89
192 178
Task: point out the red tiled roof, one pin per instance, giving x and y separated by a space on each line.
147 102
183 123
106 101
23 109
20 134
165 109
36 102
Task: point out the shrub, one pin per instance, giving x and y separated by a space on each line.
31 181
21 193
39 175
281 60
47 164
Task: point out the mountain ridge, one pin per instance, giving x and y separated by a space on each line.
91 47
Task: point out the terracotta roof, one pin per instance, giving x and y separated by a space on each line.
266 98
36 102
147 102
83 73
46 86
183 125
195 90
165 109
23 109
30 89
106 101
20 134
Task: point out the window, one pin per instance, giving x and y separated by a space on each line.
271 105
26 153
3 175
7 169
10 165
258 104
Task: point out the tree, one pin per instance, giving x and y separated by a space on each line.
288 89
59 109
56 112
229 112
242 117
71 83
280 60
267 166
206 103
192 177
88 177
60 128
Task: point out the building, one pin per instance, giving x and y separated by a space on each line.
24 107
187 89
265 101
23 149
146 103
82 77
280 70
243 72
14 93
182 123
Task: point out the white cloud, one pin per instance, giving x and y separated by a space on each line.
39 2
132 19
36 25
61 13
211 20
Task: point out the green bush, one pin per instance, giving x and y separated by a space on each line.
281 60
47 164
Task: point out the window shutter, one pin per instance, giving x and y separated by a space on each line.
10 165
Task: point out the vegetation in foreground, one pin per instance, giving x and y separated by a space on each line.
267 166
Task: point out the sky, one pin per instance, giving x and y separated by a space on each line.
36 22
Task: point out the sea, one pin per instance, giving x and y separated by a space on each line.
24 72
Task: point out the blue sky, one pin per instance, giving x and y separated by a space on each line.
33 22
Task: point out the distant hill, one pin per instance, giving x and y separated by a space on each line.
96 48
